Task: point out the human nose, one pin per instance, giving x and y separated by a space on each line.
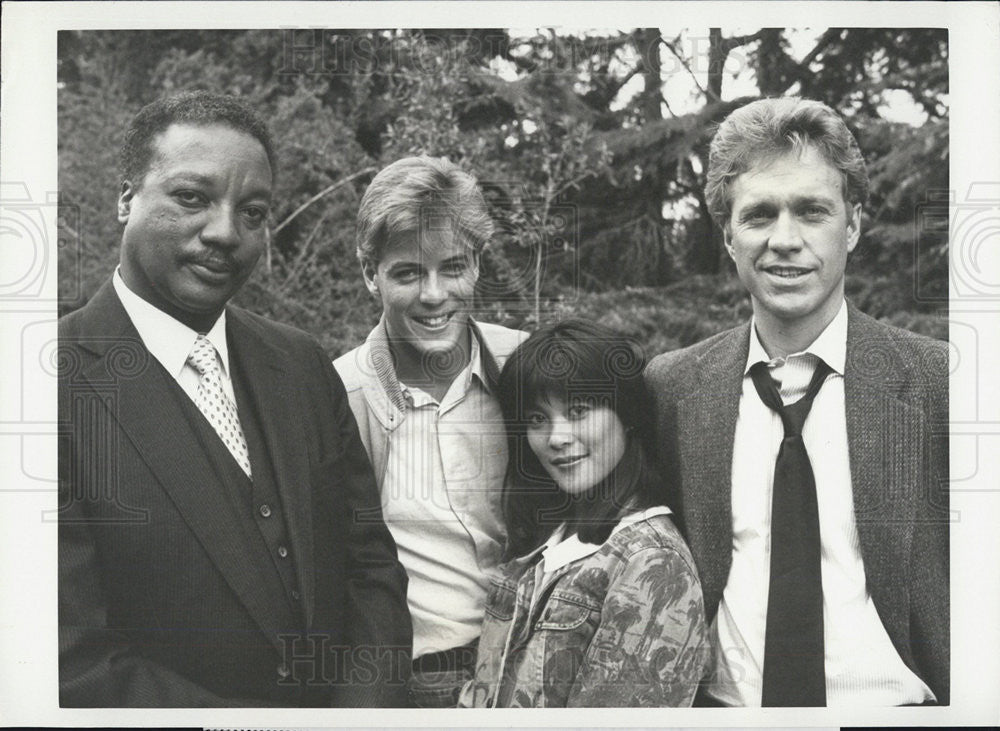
431 290
221 229
785 235
560 435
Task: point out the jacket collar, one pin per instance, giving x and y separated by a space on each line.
830 346
169 340
484 366
558 551
126 373
885 487
706 419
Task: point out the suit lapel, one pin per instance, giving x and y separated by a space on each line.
886 454
706 425
166 442
276 397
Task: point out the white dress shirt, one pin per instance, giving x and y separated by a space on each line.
862 666
171 341
444 473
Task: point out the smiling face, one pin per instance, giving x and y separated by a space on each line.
577 443
426 284
194 225
789 233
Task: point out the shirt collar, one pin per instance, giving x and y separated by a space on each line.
558 552
830 345
168 340
386 372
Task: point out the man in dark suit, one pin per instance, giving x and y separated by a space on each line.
220 539
807 448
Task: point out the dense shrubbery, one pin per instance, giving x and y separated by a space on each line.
597 193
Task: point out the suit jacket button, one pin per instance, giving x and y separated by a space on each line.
265 510
282 551
295 595
283 671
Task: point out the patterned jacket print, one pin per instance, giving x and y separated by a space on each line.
622 626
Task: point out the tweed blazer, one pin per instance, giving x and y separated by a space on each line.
896 392
165 598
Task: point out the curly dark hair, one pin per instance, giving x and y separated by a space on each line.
192 107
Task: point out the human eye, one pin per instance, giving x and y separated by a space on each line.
814 210
255 215
190 198
406 274
534 419
578 410
455 268
755 216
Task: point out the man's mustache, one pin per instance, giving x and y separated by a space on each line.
214 262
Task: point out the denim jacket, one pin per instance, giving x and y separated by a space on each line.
620 624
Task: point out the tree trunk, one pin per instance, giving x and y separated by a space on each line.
648 40
652 110
718 52
706 250
772 63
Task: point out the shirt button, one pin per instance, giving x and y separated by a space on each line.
283 671
282 551
295 595
265 510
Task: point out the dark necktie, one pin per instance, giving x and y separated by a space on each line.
793 642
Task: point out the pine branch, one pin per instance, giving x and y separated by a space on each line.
327 190
684 63
825 40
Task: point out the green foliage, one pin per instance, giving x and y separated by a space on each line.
597 194
681 314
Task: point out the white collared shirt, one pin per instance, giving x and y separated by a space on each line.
862 666
440 499
171 341
558 551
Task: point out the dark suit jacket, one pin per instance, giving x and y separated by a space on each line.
163 600
896 391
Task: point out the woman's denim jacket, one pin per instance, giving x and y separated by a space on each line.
620 624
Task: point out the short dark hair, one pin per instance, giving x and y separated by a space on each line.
199 108
413 191
770 127
573 359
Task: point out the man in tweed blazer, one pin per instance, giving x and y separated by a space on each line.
786 182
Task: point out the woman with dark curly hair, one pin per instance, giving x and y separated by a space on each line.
599 603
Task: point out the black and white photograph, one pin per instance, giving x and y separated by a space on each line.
626 359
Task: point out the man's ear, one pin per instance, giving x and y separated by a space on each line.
125 201
727 240
853 226
369 269
476 257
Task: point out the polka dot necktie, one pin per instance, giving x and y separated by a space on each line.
213 402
